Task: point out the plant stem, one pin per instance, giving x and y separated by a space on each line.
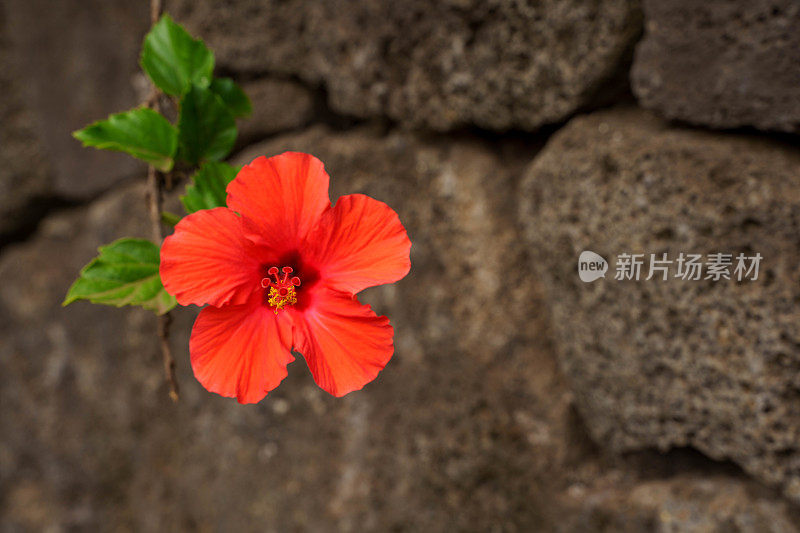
155 11
154 205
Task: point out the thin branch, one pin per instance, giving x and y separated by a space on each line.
164 322
155 11
154 206
154 203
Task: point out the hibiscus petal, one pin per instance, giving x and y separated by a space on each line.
359 243
240 350
281 198
344 343
209 260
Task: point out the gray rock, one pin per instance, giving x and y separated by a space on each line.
721 64
74 62
685 503
440 65
469 427
24 172
278 106
712 365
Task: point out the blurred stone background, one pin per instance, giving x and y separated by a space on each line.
509 136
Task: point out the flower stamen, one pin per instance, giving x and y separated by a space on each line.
281 291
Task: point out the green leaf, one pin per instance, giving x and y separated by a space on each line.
207 129
233 96
174 60
142 133
125 273
208 189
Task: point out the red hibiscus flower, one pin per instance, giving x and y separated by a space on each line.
279 268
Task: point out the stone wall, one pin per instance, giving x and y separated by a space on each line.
508 138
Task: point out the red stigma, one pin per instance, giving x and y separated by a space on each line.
281 290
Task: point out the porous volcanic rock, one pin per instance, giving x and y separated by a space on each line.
24 172
708 364
469 426
278 105
499 64
74 62
720 63
685 503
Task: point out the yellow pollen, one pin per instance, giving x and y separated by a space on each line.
277 301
